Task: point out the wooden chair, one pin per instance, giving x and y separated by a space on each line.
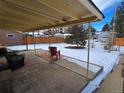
54 52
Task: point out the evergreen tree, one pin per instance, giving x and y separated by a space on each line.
78 35
119 20
106 27
93 30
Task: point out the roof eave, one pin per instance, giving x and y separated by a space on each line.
92 8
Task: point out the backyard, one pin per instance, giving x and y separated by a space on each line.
65 46
98 56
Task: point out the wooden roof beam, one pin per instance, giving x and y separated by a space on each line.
83 20
92 8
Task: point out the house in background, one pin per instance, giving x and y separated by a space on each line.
105 37
11 38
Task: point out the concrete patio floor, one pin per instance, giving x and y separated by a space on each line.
75 68
67 64
113 83
40 76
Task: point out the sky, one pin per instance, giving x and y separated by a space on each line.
107 7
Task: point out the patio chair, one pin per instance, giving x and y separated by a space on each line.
54 52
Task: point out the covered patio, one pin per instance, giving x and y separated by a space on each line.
39 75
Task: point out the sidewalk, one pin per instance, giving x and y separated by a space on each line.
114 81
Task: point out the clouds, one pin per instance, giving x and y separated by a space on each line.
104 4
107 7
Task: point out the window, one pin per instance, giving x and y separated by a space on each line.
10 35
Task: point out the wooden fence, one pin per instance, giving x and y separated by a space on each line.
119 41
31 40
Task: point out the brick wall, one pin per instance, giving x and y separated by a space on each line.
16 40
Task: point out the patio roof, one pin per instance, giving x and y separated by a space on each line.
30 15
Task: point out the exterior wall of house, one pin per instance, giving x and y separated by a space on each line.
105 37
11 38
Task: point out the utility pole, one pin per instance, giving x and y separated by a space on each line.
113 30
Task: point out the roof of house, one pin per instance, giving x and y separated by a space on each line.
31 15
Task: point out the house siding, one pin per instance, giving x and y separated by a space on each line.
16 40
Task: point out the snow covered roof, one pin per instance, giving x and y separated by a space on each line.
106 34
59 34
32 15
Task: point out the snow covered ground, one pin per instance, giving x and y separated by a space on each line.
97 56
122 50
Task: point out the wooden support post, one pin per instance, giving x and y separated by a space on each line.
88 52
